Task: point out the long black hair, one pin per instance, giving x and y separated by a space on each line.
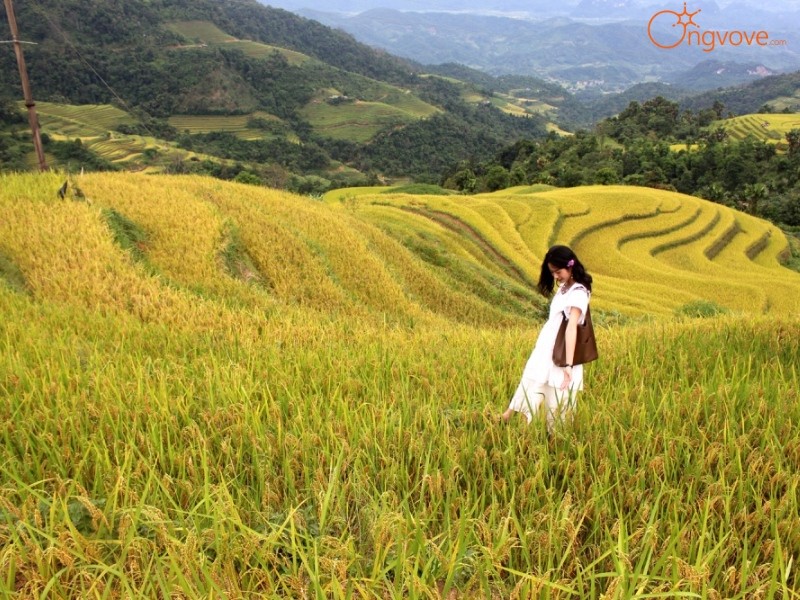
560 257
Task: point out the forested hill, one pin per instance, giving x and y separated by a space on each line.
241 86
127 44
138 24
752 97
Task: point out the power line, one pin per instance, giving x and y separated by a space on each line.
77 52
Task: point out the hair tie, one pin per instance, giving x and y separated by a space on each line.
571 262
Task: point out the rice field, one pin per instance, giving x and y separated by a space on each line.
766 127
235 124
259 50
358 121
207 33
94 126
213 390
78 121
201 32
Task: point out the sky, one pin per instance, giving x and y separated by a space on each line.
507 5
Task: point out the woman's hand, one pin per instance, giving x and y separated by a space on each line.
567 381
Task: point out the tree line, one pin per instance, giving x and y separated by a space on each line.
653 144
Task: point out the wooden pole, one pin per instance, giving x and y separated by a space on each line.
26 86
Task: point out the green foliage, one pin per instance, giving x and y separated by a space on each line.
497 178
248 178
427 148
792 261
10 114
10 275
463 180
423 189
747 99
701 309
127 234
15 138
237 261
74 156
296 157
310 185
171 58
641 147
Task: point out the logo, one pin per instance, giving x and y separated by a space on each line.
669 29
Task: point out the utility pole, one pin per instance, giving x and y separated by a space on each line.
26 86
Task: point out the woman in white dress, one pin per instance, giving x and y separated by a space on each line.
543 384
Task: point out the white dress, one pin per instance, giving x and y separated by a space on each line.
541 379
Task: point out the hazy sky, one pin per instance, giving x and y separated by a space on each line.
516 5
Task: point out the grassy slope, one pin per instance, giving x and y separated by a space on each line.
766 127
94 124
205 32
320 420
383 104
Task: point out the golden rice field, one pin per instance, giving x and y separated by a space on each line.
213 390
94 126
766 127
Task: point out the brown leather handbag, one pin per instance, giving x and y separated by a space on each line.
585 344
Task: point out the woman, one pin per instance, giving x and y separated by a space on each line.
544 383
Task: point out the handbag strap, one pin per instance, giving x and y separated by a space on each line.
588 293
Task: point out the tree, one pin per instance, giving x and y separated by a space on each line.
606 176
752 196
248 177
793 137
464 181
497 178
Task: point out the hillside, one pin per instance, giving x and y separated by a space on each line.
471 259
241 88
771 128
213 390
779 90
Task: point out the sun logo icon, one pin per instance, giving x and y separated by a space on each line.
681 19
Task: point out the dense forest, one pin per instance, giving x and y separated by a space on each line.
655 144
93 52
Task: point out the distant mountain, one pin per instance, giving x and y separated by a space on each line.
523 7
750 98
777 16
714 74
597 107
607 55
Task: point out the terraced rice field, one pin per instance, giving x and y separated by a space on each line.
259 50
655 251
215 390
86 120
201 32
205 32
358 121
783 102
767 127
236 124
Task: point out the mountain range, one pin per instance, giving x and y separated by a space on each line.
608 54
776 14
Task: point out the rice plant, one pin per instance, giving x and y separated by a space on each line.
173 428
